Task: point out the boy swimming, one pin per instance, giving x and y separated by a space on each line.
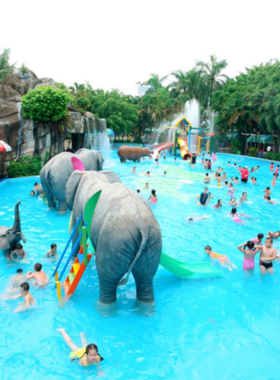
40 277
52 253
223 260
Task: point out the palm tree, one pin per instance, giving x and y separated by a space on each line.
211 77
5 67
155 82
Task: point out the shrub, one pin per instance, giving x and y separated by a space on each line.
82 103
45 104
25 166
275 156
253 152
268 155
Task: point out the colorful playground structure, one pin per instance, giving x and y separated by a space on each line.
179 136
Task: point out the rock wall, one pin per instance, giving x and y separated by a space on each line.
27 138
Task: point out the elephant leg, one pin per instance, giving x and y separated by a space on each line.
62 206
51 201
108 290
144 286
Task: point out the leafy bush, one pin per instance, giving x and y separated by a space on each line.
82 103
24 69
275 156
268 155
253 152
236 146
25 166
45 104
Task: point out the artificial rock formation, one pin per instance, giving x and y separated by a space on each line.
28 138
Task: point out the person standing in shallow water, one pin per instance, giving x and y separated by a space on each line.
268 254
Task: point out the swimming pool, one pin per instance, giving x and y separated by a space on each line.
225 328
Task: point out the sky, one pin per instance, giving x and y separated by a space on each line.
115 44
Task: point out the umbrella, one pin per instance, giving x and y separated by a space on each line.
110 132
4 147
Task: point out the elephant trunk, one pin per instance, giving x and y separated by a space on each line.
16 226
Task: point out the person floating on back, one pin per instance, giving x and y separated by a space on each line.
40 277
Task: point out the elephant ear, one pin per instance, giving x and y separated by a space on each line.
4 242
111 176
71 187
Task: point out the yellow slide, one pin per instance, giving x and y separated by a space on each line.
184 150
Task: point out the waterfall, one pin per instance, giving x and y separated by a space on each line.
20 130
99 137
192 114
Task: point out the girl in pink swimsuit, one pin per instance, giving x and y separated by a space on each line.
153 198
249 255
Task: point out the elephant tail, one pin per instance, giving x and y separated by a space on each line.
144 234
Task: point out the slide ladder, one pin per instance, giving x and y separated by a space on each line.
83 258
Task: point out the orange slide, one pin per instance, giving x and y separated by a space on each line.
162 146
184 149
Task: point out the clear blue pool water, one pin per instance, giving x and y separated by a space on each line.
227 328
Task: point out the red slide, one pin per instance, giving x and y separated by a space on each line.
162 146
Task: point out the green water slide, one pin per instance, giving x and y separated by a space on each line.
191 271
88 214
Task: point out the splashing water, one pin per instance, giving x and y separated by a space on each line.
192 114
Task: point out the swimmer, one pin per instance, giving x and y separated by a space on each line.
219 179
235 165
267 192
231 190
14 282
210 196
236 180
203 198
147 185
138 191
277 170
87 355
202 159
214 156
40 277
232 179
133 169
243 198
223 260
273 183
273 235
253 180
152 198
52 252
32 193
255 168
219 204
157 158
249 256
38 189
164 173
191 220
19 252
258 240
148 174
270 200
29 300
229 164
226 183
175 159
271 166
206 179
224 176
233 202
268 254
235 216
164 155
209 165
205 164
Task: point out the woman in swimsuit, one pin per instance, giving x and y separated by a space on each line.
153 198
87 355
223 260
249 256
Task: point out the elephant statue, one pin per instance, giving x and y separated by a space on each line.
55 174
133 153
124 232
10 237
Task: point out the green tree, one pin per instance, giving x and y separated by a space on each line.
5 67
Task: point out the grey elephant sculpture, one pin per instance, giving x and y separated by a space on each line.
9 237
125 234
55 174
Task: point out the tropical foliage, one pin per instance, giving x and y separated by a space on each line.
5 67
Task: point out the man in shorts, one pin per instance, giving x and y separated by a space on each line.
268 254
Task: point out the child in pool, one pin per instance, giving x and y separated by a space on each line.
153 198
202 159
14 282
87 355
191 220
231 190
258 240
19 252
270 200
223 260
271 166
273 183
268 254
233 202
219 179
249 256
235 216
206 179
236 180
32 192
273 235
214 156
267 192
243 198
133 169
147 185
40 277
277 170
164 155
219 204
52 253
29 300
254 180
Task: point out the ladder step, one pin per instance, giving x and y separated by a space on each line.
71 276
76 267
81 258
